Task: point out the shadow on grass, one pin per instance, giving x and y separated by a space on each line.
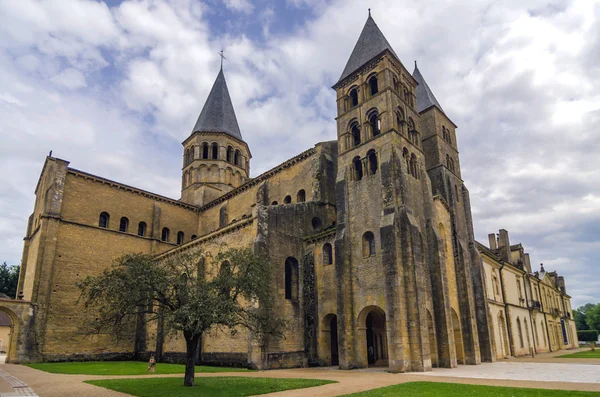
228 386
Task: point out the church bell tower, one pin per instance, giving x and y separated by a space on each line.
216 158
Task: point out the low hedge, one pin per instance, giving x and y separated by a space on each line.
588 335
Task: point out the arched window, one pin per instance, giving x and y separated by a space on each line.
274 203
520 333
229 154
354 97
238 158
316 223
186 157
165 234
142 229
301 196
291 278
374 89
414 166
191 155
327 254
372 157
355 131
180 237
358 171
448 162
104 219
287 199
406 158
124 224
194 237
215 151
374 123
368 244
400 119
396 84
205 150
223 216
413 135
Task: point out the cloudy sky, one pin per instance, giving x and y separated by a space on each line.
115 87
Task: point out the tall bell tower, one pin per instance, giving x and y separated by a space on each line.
216 158
383 200
405 283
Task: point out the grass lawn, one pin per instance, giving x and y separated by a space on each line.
122 368
214 387
584 354
434 389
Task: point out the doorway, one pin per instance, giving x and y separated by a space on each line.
376 338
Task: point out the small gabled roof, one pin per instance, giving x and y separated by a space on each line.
371 43
217 114
425 97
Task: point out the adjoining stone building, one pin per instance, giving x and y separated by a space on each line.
530 312
371 233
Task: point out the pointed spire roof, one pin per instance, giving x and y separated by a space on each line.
425 98
370 44
217 114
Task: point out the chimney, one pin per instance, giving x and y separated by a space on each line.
504 246
561 284
492 239
527 263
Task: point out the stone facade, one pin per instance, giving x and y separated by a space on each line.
530 312
372 235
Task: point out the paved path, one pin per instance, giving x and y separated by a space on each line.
516 373
14 387
530 371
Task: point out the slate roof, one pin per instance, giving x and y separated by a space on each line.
370 44
217 114
425 98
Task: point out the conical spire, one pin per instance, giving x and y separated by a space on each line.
425 98
217 114
370 44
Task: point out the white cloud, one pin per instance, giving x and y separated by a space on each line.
239 5
69 78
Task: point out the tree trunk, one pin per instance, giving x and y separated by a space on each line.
191 343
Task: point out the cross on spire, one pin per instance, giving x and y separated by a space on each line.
222 57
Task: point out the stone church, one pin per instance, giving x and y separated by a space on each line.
371 233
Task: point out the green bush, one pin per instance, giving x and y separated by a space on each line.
588 335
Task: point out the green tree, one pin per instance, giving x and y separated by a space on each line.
580 316
592 317
9 279
580 323
188 293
